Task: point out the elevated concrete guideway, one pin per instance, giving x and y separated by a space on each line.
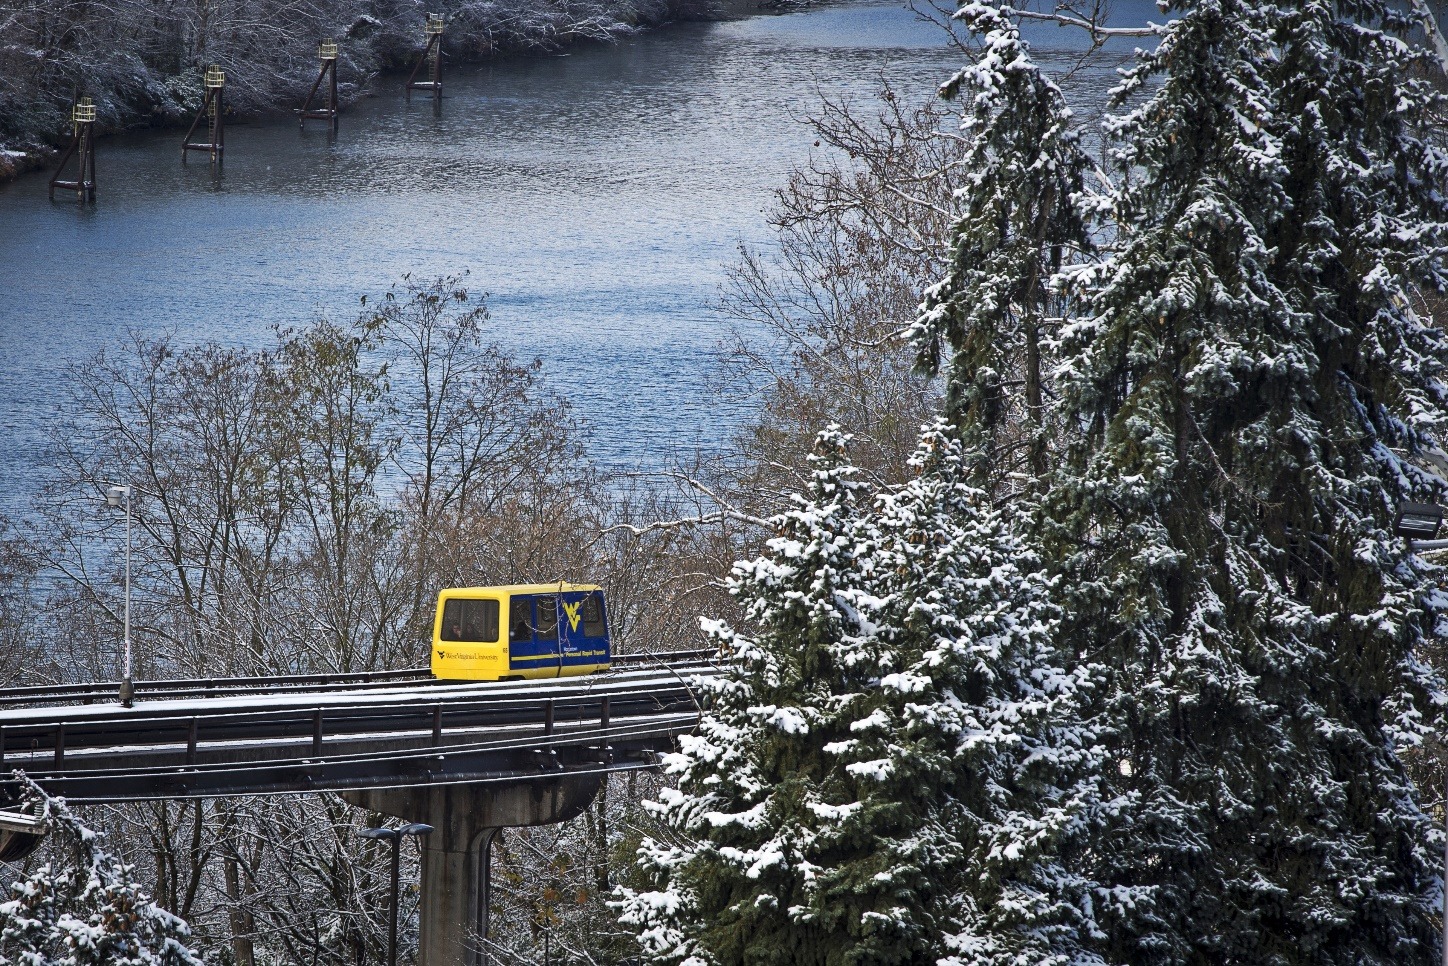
467 759
395 736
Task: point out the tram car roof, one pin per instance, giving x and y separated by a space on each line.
554 588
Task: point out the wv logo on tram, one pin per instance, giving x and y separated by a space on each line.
573 616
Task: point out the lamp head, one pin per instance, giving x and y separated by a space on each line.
414 828
118 496
378 833
1418 521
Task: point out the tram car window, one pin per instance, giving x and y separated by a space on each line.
551 630
593 615
547 611
520 619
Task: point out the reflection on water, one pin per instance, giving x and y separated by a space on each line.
597 196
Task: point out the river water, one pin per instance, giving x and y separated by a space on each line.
598 196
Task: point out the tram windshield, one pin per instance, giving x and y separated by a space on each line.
474 621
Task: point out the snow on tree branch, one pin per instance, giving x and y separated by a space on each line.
86 908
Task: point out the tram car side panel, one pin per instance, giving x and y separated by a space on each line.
557 634
538 631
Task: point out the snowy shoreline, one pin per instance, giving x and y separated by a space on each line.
14 163
22 150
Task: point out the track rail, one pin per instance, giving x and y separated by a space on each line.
517 758
180 688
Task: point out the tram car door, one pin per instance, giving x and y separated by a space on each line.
557 633
582 632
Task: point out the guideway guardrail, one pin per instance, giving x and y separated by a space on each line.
409 733
94 692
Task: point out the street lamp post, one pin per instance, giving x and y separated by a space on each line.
117 496
1418 523
394 835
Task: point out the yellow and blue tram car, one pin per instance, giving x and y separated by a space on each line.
519 631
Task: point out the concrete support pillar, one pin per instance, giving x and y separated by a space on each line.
456 856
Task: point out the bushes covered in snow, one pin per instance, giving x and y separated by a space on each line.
85 907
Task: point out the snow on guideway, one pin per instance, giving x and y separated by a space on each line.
1172 694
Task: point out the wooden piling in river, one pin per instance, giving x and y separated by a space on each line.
211 109
432 56
327 51
83 149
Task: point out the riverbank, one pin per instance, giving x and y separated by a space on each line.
14 163
140 82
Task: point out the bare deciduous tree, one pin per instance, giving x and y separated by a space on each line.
859 236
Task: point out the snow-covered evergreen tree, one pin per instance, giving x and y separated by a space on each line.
879 775
1022 202
1235 407
968 615
1245 375
1232 406
90 912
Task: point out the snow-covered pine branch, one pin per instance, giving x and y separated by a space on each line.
85 907
1097 31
